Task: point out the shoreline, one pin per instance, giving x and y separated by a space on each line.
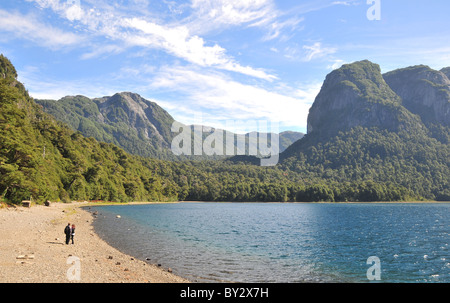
298 202
33 250
93 204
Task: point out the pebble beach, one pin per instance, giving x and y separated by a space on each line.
33 250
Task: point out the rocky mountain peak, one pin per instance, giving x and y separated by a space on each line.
145 116
446 71
424 91
7 70
356 95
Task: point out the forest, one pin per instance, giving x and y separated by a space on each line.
44 159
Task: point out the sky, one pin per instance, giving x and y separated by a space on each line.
215 61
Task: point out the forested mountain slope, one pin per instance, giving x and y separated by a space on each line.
387 154
393 131
139 126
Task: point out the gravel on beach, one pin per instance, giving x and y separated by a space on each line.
33 250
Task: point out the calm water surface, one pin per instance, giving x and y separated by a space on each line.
271 242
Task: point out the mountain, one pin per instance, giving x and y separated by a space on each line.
388 129
354 158
424 91
357 95
287 138
446 71
139 126
124 119
138 113
43 159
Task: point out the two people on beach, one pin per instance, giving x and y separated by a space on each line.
70 232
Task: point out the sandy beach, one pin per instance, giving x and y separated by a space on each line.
33 250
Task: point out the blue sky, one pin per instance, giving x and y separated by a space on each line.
215 60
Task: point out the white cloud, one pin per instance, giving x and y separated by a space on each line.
175 40
336 64
55 90
219 97
218 15
113 28
178 41
71 9
317 51
103 50
309 52
124 32
346 3
221 13
277 28
40 86
30 28
74 12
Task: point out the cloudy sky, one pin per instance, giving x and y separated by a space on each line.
215 60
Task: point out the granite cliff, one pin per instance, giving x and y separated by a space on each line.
357 95
424 92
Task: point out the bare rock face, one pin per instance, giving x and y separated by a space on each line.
446 71
357 95
424 91
144 116
125 119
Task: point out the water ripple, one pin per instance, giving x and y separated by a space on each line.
257 242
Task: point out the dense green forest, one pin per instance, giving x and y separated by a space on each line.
113 120
45 159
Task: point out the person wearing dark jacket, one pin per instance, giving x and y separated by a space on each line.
67 231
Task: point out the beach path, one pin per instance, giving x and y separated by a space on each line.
33 250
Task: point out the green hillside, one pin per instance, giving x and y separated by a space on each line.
387 154
139 126
44 159
375 133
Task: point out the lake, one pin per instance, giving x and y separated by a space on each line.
286 242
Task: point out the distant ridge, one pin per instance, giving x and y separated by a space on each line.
139 126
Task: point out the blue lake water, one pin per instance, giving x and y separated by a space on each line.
285 242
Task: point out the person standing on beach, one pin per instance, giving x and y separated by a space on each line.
72 232
67 231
